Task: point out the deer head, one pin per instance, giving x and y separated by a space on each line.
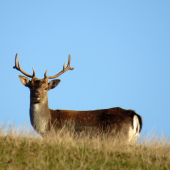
40 87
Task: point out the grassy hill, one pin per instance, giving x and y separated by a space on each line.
64 151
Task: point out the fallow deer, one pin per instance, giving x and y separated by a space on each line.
116 120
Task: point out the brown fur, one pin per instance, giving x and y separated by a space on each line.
105 119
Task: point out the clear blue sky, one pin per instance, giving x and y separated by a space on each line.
120 51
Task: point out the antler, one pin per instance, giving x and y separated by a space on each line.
61 72
17 66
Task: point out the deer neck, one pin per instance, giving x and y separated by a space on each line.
40 116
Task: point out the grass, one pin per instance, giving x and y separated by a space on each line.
22 149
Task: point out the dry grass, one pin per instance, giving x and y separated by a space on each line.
23 149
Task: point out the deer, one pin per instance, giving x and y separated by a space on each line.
126 124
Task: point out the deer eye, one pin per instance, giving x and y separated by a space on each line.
31 87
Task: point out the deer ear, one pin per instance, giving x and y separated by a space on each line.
53 83
24 80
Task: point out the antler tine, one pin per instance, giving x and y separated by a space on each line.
61 72
69 61
18 67
45 76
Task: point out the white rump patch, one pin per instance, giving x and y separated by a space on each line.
134 130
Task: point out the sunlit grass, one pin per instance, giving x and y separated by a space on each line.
24 149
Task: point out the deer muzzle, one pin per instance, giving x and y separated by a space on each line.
36 96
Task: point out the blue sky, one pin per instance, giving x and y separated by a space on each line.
120 51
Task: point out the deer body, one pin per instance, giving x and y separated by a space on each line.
114 121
